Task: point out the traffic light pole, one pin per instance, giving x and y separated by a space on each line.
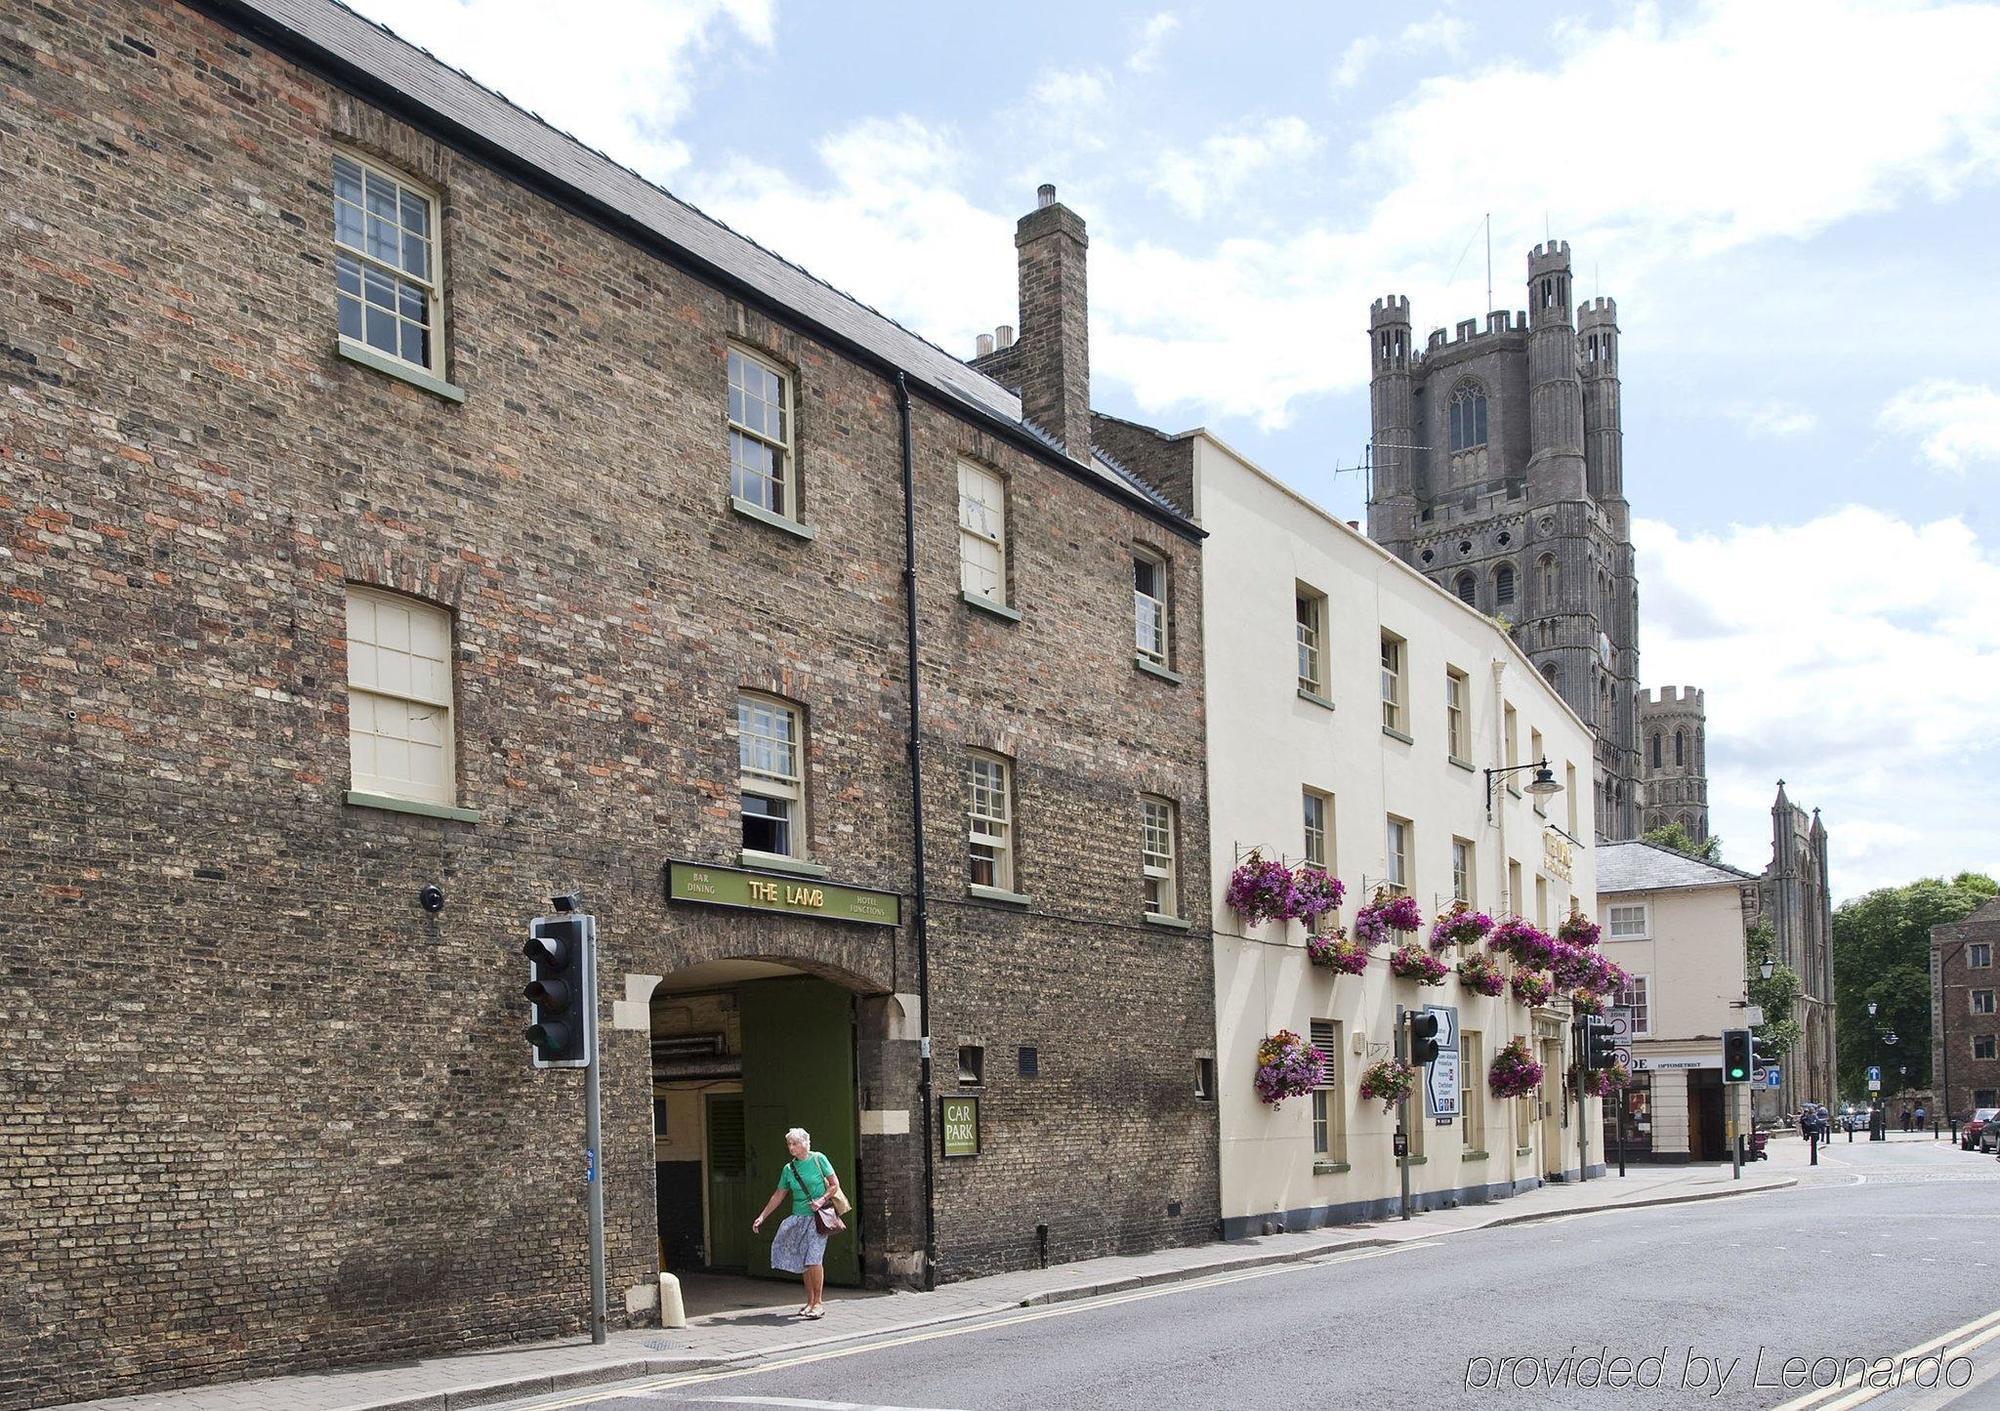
592 1140
1581 1037
1403 1111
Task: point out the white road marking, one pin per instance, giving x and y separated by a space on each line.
668 1383
806 1405
1848 1393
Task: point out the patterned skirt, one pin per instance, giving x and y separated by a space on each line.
799 1243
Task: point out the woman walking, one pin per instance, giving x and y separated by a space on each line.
799 1247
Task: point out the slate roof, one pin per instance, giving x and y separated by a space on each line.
1640 866
375 63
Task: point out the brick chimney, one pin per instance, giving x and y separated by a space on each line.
1052 359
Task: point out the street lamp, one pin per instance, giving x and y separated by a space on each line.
1878 1125
1541 786
1766 966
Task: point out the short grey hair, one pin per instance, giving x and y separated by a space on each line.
801 1136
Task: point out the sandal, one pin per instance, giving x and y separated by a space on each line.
816 1313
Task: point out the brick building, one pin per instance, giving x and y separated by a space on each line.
1965 1029
397 494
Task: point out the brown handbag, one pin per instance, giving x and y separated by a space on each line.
824 1209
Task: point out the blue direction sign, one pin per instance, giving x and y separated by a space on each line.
1774 1078
1874 1074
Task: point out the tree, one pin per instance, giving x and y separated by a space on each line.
1881 952
1672 835
1775 996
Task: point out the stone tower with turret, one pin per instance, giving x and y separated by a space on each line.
1673 760
1499 472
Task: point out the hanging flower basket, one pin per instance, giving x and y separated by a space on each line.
1461 926
1531 988
1287 1066
1415 963
1579 930
1478 973
1528 944
1570 968
1313 893
1337 953
1599 1082
1587 1002
1385 914
1258 890
1389 1082
1513 1071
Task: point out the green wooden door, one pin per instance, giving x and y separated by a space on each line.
798 1071
731 1199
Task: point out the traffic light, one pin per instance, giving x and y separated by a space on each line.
1759 1058
1600 1045
558 990
1736 1055
1423 1037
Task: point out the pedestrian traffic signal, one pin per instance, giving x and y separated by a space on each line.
1423 1037
558 990
1736 1055
1600 1044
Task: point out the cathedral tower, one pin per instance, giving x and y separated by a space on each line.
1499 472
1673 759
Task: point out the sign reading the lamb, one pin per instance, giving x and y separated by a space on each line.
760 891
1441 1078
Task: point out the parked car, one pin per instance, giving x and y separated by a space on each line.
1970 1134
1989 1134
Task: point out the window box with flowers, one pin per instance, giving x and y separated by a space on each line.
1287 1066
1374 922
1579 930
1389 1082
1413 962
1513 1071
1527 943
1478 973
1337 953
1532 989
1599 1082
1460 926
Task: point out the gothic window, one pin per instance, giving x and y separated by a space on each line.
1687 824
1548 582
1503 585
1656 751
1553 677
1467 589
1680 747
1468 417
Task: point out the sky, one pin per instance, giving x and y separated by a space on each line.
1793 202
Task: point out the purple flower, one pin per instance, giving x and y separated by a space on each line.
1461 926
1415 963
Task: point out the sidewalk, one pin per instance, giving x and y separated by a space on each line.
481 1378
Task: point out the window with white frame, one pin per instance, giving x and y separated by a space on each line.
1634 997
1514 887
1319 828
1978 955
1627 921
770 754
1461 871
1329 1135
1982 1001
1982 1045
1510 733
1312 641
982 533
399 697
385 262
1394 716
1569 794
1156 848
1397 848
1542 902
760 435
1457 734
1149 606
1472 1089
990 822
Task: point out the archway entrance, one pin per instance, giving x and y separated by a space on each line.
742 1051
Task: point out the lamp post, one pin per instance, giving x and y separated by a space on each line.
1878 1123
1541 786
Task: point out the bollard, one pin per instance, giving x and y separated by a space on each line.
1815 1148
672 1313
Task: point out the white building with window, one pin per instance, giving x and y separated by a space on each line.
1676 925
1373 760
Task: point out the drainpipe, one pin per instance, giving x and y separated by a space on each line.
919 887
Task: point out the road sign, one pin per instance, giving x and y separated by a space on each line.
1441 1095
1874 1076
1874 1085
1621 1034
1774 1077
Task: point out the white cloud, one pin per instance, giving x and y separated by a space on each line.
1153 36
1227 162
1441 32
620 80
1776 420
1957 422
1857 656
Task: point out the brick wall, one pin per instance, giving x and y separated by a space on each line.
269 1114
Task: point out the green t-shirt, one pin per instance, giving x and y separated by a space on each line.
806 1179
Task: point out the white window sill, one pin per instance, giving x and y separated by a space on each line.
1464 764
416 806
1331 1168
1172 923
998 894
1153 668
1315 697
1473 1155
778 862
361 353
776 521
1393 733
986 604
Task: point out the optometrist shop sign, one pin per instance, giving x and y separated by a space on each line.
747 890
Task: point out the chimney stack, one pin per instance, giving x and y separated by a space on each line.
983 346
1054 360
1003 337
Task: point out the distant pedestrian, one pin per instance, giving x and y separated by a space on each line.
799 1247
1906 1119
1921 1114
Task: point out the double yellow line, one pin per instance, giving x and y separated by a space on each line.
1061 1310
